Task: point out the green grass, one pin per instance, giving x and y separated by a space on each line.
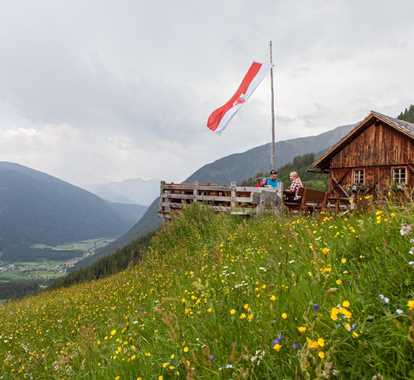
208 301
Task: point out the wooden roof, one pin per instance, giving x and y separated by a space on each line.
401 126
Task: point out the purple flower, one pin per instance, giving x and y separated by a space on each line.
296 345
316 307
277 340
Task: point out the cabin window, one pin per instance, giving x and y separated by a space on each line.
399 176
359 176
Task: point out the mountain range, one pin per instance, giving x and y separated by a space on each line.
235 167
136 190
36 208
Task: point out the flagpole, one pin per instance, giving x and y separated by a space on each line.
273 107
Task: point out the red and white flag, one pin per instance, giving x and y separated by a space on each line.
221 117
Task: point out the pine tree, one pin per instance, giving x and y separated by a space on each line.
408 114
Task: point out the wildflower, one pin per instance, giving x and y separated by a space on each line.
243 316
312 344
160 377
186 349
345 313
410 305
327 269
277 340
325 251
232 311
113 332
117 377
210 310
302 329
277 347
284 316
343 260
405 229
250 317
355 335
346 303
384 299
399 312
411 251
321 342
321 354
411 263
338 281
246 306
316 307
296 345
273 298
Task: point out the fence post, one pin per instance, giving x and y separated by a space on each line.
233 195
195 191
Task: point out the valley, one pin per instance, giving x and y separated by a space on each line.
19 278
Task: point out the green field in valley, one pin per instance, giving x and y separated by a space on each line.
23 277
218 298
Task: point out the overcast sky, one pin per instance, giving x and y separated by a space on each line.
98 91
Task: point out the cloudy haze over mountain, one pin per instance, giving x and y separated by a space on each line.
100 91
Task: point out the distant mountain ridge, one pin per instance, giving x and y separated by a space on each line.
235 167
38 208
135 190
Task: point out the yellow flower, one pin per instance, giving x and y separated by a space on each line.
117 377
321 355
246 306
355 335
312 344
302 329
284 316
243 316
210 310
186 349
277 347
232 311
321 342
346 303
250 317
160 377
338 281
273 298
113 332
343 260
325 251
410 305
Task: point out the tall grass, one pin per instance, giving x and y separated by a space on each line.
216 297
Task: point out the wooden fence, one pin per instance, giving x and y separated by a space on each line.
232 199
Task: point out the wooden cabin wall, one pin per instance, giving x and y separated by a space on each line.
378 177
377 145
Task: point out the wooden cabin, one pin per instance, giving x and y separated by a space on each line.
373 158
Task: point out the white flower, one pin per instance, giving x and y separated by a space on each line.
405 229
384 299
411 263
411 251
399 312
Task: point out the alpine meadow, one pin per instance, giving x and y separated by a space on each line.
217 297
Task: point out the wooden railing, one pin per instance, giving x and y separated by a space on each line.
232 199
235 200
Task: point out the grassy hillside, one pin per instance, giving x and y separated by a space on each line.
216 297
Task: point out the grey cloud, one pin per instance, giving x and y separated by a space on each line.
124 81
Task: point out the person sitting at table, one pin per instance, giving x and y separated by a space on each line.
272 181
296 186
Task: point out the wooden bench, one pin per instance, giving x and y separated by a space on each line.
310 201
